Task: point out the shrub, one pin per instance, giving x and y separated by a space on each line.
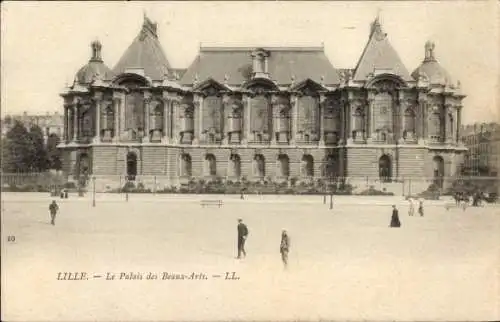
371 191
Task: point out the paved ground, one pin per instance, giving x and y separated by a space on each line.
346 264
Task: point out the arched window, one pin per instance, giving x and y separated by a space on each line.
210 165
385 168
131 166
185 165
235 166
438 171
259 166
284 166
307 168
330 167
83 168
409 123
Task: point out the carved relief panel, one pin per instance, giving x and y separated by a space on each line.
213 118
134 115
308 125
281 119
186 122
107 120
156 119
233 110
260 117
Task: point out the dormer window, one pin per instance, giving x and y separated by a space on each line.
260 63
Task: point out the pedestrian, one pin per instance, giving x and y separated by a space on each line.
421 207
242 237
395 223
411 209
284 247
53 208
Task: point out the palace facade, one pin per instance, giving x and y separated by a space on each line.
261 113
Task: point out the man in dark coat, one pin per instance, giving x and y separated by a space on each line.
53 208
242 237
284 247
395 217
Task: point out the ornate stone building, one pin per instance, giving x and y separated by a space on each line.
262 112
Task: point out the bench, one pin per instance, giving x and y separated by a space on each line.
218 203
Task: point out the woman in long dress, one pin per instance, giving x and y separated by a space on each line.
395 223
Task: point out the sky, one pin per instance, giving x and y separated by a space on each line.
43 44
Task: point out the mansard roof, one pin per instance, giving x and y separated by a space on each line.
379 57
233 65
145 53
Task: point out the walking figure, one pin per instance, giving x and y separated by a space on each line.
284 247
395 223
53 208
242 237
421 207
411 209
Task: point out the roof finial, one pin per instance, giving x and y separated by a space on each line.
226 78
96 50
429 51
376 27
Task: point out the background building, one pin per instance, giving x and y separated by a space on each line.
262 113
483 155
49 123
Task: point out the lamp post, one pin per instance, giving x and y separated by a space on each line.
93 191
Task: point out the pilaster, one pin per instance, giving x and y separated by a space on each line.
167 127
226 108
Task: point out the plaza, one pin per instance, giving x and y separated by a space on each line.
345 263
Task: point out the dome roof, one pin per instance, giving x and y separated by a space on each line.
94 68
431 68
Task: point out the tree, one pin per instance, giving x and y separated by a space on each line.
38 154
53 153
16 150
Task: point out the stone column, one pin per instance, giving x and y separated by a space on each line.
274 118
226 110
116 122
147 115
76 130
370 119
459 125
349 119
343 120
198 118
66 127
98 103
294 102
322 108
167 127
246 119
425 122
447 126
